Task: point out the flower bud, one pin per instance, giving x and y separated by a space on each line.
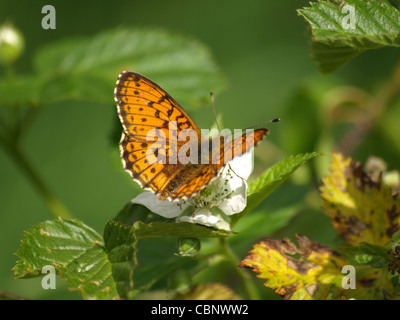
11 44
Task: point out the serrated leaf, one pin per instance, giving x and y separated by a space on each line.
343 30
330 58
88 68
316 275
133 213
395 3
120 244
91 275
56 242
263 186
20 90
361 210
150 225
314 271
157 261
105 272
177 230
97 270
367 254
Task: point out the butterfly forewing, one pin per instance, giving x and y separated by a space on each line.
143 107
230 149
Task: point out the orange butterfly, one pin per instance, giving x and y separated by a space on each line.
144 108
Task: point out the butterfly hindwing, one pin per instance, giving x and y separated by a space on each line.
150 175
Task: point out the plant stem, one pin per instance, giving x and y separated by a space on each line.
55 205
9 140
10 296
244 276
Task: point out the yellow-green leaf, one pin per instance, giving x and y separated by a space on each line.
361 209
317 275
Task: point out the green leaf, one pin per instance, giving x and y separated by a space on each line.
259 224
367 254
396 236
132 213
395 3
97 270
177 230
21 90
105 272
157 261
88 68
56 242
150 225
331 58
120 244
270 180
91 275
340 31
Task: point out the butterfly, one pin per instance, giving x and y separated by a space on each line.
147 111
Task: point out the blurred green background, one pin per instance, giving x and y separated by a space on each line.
261 48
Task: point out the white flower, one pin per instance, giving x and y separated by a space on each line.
225 196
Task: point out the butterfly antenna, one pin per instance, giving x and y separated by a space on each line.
213 107
257 126
265 123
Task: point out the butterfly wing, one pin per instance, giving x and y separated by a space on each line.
151 176
228 151
147 112
203 177
237 147
143 106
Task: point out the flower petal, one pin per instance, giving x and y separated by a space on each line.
166 208
205 217
243 166
235 202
